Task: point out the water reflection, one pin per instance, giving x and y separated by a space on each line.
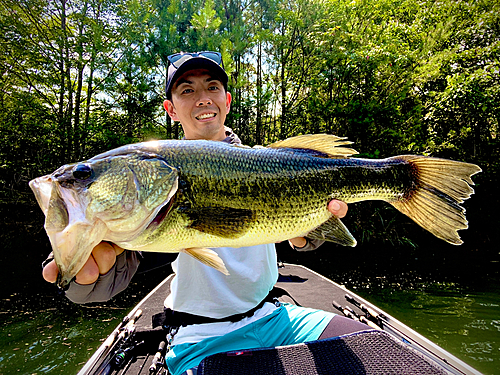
44 333
463 322
52 340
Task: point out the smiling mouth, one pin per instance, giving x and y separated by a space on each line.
205 116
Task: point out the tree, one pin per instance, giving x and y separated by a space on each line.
459 81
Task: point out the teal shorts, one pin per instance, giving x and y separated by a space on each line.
287 325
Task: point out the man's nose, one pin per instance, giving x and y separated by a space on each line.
203 100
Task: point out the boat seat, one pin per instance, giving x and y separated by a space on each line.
366 352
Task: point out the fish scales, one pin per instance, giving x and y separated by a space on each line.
285 190
171 196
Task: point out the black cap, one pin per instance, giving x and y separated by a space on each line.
190 62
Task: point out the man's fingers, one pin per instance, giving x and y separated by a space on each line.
298 242
118 249
101 260
105 256
338 208
50 272
89 273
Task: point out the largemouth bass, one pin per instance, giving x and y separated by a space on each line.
172 196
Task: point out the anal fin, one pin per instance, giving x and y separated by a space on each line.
208 257
333 230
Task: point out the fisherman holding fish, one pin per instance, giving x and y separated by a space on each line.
222 312
222 206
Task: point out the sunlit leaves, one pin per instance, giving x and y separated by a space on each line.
80 76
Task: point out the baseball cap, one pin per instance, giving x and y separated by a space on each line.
180 63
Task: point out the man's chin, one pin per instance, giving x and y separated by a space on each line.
212 130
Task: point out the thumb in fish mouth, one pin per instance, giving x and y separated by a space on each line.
73 246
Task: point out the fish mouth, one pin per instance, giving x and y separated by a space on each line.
73 246
71 235
42 188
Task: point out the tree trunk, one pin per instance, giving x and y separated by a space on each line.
258 123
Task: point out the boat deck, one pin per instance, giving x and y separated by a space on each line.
303 287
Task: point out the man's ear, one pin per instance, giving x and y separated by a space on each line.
228 102
169 107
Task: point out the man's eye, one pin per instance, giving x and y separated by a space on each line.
187 91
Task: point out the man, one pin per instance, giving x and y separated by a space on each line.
216 312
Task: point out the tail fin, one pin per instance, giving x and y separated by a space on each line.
440 186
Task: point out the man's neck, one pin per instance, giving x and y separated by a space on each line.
219 136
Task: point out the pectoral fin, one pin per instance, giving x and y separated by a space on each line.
208 257
333 230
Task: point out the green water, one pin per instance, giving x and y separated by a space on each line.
52 336
464 322
50 341
41 332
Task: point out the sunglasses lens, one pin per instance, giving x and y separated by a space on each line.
214 56
178 59
175 59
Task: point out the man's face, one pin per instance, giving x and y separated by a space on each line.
201 104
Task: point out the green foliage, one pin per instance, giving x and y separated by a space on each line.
394 76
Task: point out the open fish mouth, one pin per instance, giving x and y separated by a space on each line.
76 221
42 188
71 235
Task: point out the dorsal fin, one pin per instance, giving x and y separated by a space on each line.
327 144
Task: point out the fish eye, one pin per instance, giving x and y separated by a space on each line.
82 172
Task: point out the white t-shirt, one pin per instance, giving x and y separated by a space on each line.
201 290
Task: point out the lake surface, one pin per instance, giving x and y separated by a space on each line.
44 333
447 293
464 322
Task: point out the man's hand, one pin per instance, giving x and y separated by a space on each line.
337 208
101 260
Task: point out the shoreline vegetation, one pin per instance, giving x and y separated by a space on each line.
79 77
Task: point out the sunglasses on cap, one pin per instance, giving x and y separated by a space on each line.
178 59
